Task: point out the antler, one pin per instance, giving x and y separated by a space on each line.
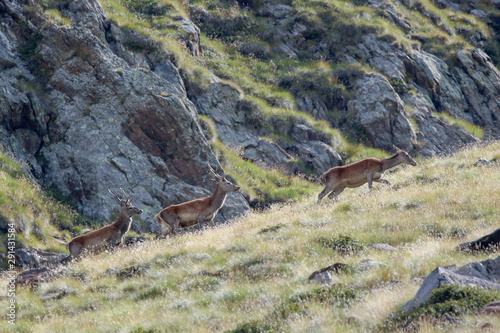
126 198
120 200
217 176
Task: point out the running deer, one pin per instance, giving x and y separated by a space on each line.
356 174
196 211
109 235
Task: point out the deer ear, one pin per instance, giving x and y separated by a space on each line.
396 149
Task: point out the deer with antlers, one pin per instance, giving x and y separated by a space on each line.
196 211
356 174
109 235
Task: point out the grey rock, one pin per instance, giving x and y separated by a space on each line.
316 155
479 13
323 278
232 116
325 275
51 295
369 264
381 113
111 271
382 247
275 10
487 243
482 162
484 274
35 258
33 277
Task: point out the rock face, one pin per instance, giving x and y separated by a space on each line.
396 105
484 274
381 113
486 243
35 258
88 113
33 277
235 119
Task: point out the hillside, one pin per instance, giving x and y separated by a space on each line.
98 95
253 272
148 95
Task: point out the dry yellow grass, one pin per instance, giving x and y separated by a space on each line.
243 271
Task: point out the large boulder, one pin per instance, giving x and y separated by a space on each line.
486 243
484 274
380 114
237 122
36 258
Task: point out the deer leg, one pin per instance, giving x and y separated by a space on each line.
122 241
174 224
74 251
168 223
201 222
369 178
163 227
327 190
383 181
111 244
334 194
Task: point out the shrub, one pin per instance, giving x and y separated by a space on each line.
343 243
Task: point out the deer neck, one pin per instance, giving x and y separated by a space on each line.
218 198
123 223
391 162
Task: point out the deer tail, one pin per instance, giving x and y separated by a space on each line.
323 178
61 241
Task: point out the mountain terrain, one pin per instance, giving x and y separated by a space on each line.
143 94
148 95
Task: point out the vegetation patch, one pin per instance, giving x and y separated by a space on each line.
271 228
299 304
35 214
472 129
450 300
344 244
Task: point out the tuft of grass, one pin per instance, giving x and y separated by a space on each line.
57 17
343 243
36 215
472 129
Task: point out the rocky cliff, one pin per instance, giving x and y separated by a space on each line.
90 104
87 115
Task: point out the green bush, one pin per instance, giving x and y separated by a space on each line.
343 244
451 300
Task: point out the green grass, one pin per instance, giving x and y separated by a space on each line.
36 215
252 274
450 300
474 130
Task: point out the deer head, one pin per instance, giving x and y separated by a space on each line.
405 157
127 207
223 183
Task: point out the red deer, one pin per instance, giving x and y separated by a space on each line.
196 211
356 174
109 235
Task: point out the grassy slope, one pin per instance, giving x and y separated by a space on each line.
250 271
36 214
